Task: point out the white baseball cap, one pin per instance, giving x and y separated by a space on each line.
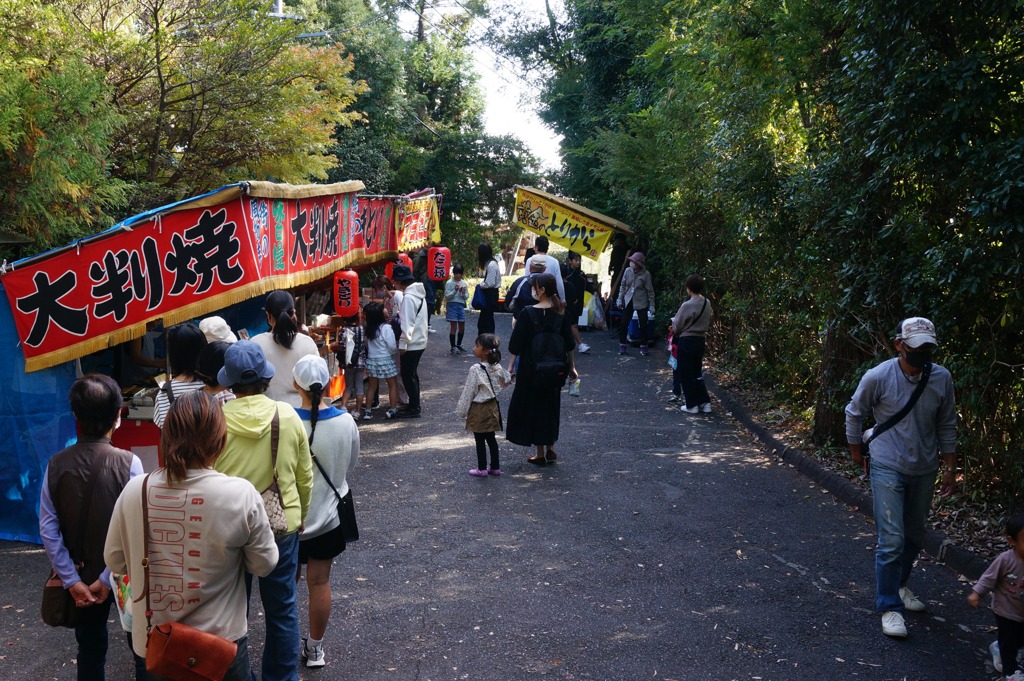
311 369
916 331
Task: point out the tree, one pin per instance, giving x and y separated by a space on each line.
213 93
55 127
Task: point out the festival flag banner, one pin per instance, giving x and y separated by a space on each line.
418 219
375 224
577 228
178 262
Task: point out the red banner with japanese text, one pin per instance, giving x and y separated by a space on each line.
200 257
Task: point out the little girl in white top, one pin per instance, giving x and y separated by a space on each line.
479 402
380 346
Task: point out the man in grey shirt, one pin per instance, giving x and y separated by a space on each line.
904 459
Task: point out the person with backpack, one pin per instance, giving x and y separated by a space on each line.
542 340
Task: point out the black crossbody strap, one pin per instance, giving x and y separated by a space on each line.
902 413
326 477
695 319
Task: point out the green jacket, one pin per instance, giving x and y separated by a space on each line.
247 452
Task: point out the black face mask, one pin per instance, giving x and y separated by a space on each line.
917 358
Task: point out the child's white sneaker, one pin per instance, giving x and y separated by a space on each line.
997 659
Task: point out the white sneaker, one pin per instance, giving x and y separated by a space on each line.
314 656
1016 676
690 410
997 659
910 601
893 624
706 407
584 348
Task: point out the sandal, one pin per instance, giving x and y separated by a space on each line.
551 456
537 460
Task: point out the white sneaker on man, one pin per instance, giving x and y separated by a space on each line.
893 624
910 601
706 408
584 348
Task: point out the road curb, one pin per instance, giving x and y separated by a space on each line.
937 544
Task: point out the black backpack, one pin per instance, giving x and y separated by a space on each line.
550 361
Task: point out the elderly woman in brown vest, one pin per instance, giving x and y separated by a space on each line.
81 486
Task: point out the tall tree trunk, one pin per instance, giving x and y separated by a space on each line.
839 358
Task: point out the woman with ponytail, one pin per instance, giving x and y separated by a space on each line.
331 522
284 345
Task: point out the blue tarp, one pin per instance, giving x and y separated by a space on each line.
35 423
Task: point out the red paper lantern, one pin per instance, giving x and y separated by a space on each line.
439 263
403 259
346 293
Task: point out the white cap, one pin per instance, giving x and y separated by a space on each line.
311 369
216 329
916 331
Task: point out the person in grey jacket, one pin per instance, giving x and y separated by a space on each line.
635 295
904 459
688 329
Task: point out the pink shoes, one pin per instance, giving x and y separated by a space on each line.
494 471
478 473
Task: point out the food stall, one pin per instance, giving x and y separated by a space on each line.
568 224
178 262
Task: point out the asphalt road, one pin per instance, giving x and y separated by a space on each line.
661 546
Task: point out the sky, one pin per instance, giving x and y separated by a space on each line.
510 111
509 108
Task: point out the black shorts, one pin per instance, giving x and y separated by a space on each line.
330 544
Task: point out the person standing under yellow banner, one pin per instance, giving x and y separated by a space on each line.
635 295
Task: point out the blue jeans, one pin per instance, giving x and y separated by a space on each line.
277 591
900 504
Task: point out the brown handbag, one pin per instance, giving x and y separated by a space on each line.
58 608
175 650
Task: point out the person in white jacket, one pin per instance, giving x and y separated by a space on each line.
413 340
331 523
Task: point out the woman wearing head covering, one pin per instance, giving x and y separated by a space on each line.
283 345
204 553
331 523
636 294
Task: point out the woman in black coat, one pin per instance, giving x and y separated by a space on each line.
535 410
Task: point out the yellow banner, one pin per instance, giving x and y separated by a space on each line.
418 223
575 227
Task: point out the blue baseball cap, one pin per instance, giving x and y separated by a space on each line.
244 364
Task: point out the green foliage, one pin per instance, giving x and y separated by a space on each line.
830 169
55 126
209 99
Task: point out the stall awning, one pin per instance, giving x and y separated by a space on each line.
187 259
577 228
